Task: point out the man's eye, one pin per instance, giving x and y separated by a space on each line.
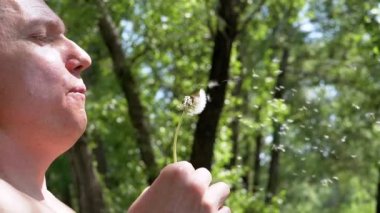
42 38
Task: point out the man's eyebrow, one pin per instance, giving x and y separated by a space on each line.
51 23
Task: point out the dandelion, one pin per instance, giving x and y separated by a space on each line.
191 105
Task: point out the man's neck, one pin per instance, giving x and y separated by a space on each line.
24 167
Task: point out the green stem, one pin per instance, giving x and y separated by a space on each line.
175 138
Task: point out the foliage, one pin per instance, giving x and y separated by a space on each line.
329 116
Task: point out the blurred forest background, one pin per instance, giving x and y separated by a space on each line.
293 117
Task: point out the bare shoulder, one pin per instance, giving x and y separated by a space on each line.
58 205
12 200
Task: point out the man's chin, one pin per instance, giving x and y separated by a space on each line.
82 128
80 122
74 138
77 128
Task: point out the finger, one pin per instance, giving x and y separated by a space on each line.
224 209
176 171
202 177
145 190
217 194
172 179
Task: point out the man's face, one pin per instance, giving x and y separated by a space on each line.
41 91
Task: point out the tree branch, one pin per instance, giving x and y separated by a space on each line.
250 16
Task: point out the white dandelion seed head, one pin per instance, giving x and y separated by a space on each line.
194 104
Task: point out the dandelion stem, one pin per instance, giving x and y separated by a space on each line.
175 138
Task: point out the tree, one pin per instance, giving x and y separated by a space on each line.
204 137
89 189
137 115
378 193
274 167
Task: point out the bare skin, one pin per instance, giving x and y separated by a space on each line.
42 108
180 188
42 114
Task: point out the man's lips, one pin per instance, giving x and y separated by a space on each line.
80 89
78 92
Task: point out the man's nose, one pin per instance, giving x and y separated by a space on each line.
77 59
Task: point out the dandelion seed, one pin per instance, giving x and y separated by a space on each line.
255 75
370 115
356 106
280 147
278 72
280 201
326 181
212 84
188 15
208 98
119 120
343 140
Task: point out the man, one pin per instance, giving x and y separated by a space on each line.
42 114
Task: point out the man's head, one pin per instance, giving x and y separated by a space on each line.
41 92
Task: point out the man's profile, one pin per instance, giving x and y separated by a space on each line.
42 114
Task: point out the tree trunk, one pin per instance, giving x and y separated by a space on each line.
205 133
100 156
378 192
89 189
235 142
136 109
274 167
235 123
257 163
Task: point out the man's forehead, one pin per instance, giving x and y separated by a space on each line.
31 11
8 6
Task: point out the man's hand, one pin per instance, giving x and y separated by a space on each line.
181 189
